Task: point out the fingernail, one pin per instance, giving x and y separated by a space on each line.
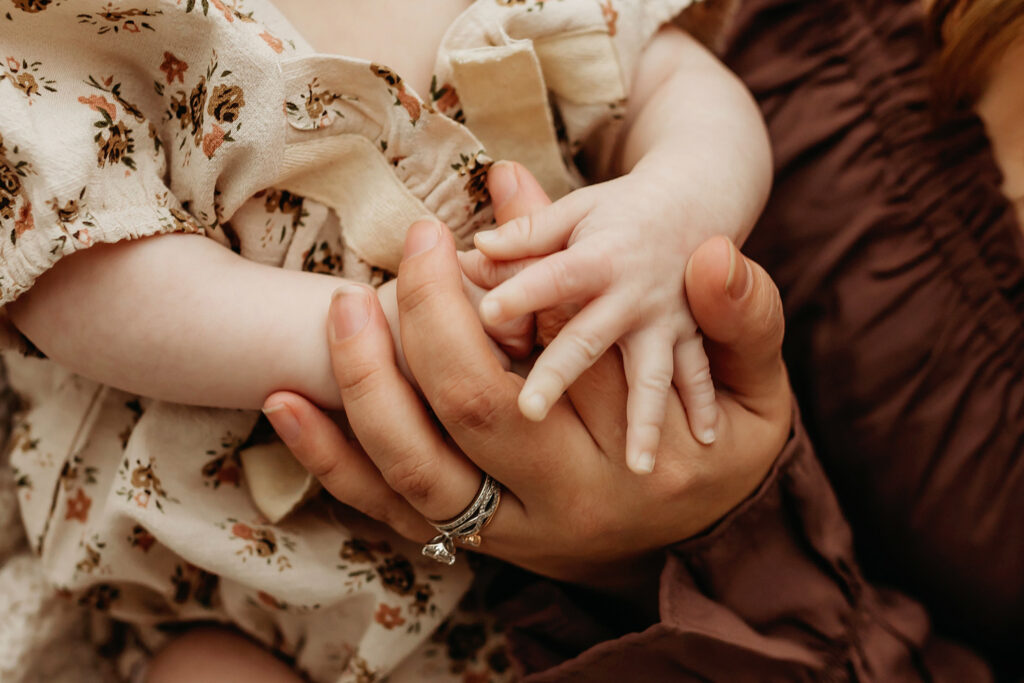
490 310
739 278
422 236
533 407
350 311
484 237
643 463
284 422
502 183
708 437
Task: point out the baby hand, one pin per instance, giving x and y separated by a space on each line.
509 339
620 251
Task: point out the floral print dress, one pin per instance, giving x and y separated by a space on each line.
214 117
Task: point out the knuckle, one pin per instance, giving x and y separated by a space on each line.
700 379
416 293
358 379
414 478
587 346
655 381
563 277
463 403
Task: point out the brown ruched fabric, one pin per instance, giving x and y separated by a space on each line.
902 271
900 266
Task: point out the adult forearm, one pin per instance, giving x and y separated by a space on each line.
180 318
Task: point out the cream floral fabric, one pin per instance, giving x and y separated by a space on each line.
123 120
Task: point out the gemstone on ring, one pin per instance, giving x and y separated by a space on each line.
466 526
441 549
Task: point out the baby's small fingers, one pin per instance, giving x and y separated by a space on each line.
580 343
535 234
516 337
648 360
696 388
507 339
575 275
488 273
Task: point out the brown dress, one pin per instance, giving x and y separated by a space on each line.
900 266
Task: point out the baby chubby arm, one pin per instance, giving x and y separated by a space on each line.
181 318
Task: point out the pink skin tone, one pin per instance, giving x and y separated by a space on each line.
607 534
685 169
405 469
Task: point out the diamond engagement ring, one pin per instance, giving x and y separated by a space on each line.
467 525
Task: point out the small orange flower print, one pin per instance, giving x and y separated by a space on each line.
78 507
224 10
389 617
141 538
213 140
242 531
142 499
13 64
449 98
25 220
173 68
100 103
411 104
273 41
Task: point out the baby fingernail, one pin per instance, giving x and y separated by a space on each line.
284 422
643 463
350 311
708 437
422 236
534 406
486 237
490 310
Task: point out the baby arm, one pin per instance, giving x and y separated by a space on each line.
181 318
697 163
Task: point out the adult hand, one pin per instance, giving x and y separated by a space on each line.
571 509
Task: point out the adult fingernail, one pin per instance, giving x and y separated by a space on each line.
739 278
484 237
490 310
350 311
502 182
422 236
643 463
284 422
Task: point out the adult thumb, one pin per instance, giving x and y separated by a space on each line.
514 191
739 311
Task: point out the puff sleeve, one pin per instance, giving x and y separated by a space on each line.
81 163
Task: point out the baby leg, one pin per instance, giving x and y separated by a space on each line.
216 655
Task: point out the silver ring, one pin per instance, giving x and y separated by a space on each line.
466 526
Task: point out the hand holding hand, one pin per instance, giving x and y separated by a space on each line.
567 511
